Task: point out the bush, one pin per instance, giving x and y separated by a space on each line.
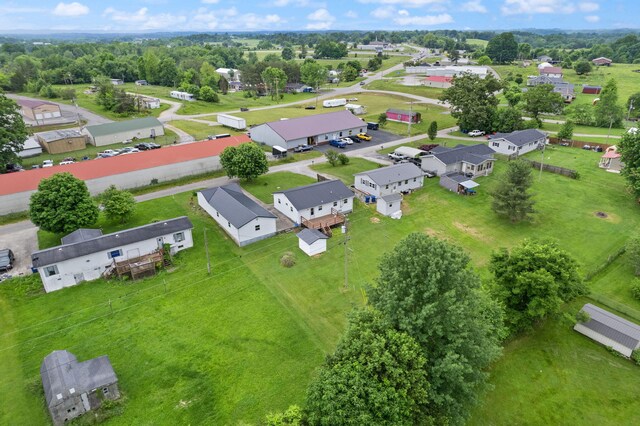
67 94
288 260
635 289
582 317
343 159
635 356
332 157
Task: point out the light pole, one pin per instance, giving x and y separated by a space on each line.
410 118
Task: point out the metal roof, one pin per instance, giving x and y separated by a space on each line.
109 241
612 326
56 135
316 194
391 197
520 137
310 236
391 174
234 205
313 125
403 111
81 234
63 376
34 103
123 126
473 154
409 151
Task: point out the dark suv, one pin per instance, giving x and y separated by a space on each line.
6 260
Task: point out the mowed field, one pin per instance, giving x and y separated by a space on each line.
230 347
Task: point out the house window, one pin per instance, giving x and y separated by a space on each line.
489 165
178 236
350 132
257 227
406 182
218 214
114 253
319 208
279 201
345 201
326 137
51 270
229 224
386 187
341 134
335 204
105 391
291 208
414 179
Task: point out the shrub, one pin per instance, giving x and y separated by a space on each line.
288 260
67 94
154 181
635 289
332 157
343 159
582 317
635 356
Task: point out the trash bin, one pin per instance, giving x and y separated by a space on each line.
366 199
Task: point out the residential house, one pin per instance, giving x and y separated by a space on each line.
72 388
591 90
565 89
317 205
471 160
389 205
602 62
312 241
39 110
403 116
147 102
403 177
610 330
120 131
315 129
230 74
85 255
295 87
60 141
243 219
551 72
459 183
519 142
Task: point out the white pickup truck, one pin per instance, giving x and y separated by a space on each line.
396 157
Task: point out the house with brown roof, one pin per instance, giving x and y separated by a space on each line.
602 62
551 72
315 129
39 110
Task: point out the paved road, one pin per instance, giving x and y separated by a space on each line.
70 110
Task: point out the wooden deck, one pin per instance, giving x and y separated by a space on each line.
137 267
324 223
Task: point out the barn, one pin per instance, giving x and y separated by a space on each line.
403 116
591 90
610 330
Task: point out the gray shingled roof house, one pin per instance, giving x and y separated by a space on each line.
311 130
610 330
119 131
312 241
403 177
473 160
72 388
519 142
242 218
315 200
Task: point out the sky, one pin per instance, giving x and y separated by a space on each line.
314 15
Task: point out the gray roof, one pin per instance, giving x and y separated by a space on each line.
520 137
310 236
612 326
234 205
473 154
391 174
63 376
313 125
403 111
315 194
81 234
123 126
392 197
458 177
56 135
109 241
544 79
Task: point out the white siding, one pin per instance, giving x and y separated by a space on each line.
362 183
282 204
265 134
91 266
431 164
320 246
386 208
503 146
122 136
580 328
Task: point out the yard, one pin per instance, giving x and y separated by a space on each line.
393 85
346 172
201 130
264 186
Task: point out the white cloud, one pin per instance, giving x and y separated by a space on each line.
229 19
209 1
532 7
383 12
427 20
142 20
351 14
404 3
321 15
588 7
592 18
473 6
10 10
70 9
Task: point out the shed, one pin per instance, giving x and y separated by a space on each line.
610 330
389 205
602 61
459 183
591 90
312 241
31 148
59 141
403 116
117 81
356 109
119 131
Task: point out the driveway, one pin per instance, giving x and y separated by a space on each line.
21 238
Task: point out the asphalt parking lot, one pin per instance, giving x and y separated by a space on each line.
22 239
379 137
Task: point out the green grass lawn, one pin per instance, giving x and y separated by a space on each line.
555 376
587 130
426 141
346 172
477 42
427 92
201 130
264 186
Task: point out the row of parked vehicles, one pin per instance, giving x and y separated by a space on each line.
349 140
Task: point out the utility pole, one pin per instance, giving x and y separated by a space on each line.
277 99
410 117
206 249
346 272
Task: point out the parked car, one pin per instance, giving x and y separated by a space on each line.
475 133
395 157
355 139
310 107
587 147
338 143
363 136
7 259
144 146
372 126
13 168
127 141
362 83
64 163
348 141
129 151
47 163
109 152
244 109
303 148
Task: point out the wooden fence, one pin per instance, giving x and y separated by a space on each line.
573 174
578 144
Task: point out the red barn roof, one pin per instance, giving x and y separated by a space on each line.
439 79
12 183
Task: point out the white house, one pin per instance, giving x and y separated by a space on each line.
230 74
610 330
314 201
403 177
472 160
312 241
148 102
519 142
389 205
244 220
85 254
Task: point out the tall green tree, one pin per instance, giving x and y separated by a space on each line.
427 290
382 119
566 131
246 161
275 79
542 100
62 203
303 51
629 148
507 120
313 73
512 198
582 67
432 131
633 105
533 281
376 376
349 73
581 114
502 48
13 132
607 112
119 205
208 75
287 53
513 94
472 99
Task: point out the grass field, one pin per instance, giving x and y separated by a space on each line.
264 186
201 130
346 172
392 85
477 42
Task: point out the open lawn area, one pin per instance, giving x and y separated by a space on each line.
346 172
200 130
394 86
264 186
477 42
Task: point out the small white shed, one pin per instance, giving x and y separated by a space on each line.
312 241
389 204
